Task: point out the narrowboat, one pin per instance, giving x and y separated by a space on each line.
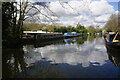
112 41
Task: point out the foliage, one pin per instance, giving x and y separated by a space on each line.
91 29
29 25
112 24
12 24
53 28
80 28
80 41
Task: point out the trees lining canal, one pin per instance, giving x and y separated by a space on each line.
13 24
13 55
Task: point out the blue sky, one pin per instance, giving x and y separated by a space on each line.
114 4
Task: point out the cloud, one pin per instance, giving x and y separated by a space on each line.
101 8
86 12
102 18
89 52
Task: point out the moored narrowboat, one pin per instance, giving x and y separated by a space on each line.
112 41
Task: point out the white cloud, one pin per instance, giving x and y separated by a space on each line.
86 12
102 18
101 8
116 12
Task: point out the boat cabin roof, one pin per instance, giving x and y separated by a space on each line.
115 37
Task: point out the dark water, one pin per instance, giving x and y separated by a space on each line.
70 58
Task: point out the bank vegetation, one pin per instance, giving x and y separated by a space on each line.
113 24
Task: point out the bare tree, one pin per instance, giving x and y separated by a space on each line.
28 10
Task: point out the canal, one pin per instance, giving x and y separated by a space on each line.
81 57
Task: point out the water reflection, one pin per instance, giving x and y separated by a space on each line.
71 53
77 40
70 58
13 62
113 54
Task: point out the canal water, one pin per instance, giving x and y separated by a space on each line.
81 57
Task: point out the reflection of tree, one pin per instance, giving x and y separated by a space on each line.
19 60
48 42
81 40
91 38
13 62
6 67
43 69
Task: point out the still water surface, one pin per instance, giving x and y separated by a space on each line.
68 58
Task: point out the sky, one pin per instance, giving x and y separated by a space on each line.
114 4
73 0
84 12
